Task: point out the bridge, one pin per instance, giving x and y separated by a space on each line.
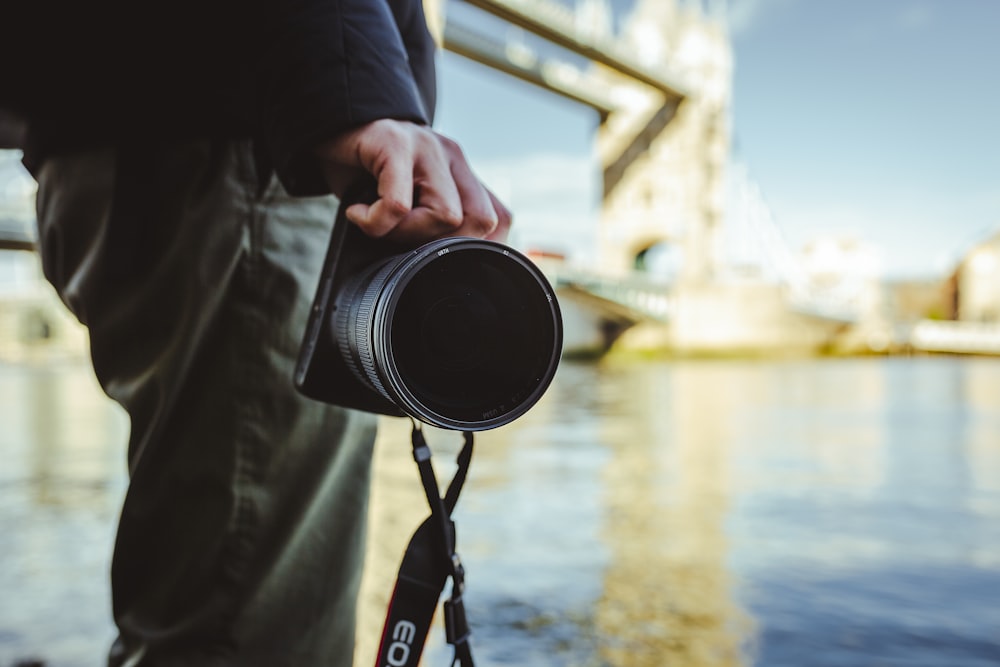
660 89
15 236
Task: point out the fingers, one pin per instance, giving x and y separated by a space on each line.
504 220
478 213
416 200
388 154
426 187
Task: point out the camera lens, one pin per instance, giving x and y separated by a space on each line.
461 333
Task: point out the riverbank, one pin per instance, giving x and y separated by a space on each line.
36 327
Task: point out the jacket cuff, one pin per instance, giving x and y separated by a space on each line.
326 68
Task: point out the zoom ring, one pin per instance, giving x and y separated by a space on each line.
361 331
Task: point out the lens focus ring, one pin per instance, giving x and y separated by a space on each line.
355 326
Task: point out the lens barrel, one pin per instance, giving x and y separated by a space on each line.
461 333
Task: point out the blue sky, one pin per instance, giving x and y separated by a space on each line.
532 147
875 119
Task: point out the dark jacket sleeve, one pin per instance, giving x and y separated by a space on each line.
420 49
326 66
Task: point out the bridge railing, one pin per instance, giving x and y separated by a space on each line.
637 297
846 296
13 236
17 215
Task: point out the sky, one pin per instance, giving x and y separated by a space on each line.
870 119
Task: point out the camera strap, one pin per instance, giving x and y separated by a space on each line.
429 561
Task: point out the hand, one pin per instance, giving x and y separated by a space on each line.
426 188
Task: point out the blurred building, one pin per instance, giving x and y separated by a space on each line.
977 283
844 269
33 322
913 300
972 295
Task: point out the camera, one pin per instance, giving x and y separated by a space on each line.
460 333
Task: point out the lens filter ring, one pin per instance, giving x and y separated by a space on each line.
466 334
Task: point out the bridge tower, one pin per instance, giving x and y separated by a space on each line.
664 152
660 84
659 81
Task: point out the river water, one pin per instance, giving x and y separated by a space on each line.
819 512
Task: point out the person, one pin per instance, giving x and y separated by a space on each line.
188 157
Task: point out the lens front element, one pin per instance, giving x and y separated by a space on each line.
464 333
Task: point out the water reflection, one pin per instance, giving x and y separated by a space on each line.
667 593
821 512
70 434
61 481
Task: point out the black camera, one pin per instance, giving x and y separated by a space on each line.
460 333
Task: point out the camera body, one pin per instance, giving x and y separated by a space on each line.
459 333
321 372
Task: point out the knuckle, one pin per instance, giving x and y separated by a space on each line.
450 219
451 149
504 213
485 224
450 145
394 207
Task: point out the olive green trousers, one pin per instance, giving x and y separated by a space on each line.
241 538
